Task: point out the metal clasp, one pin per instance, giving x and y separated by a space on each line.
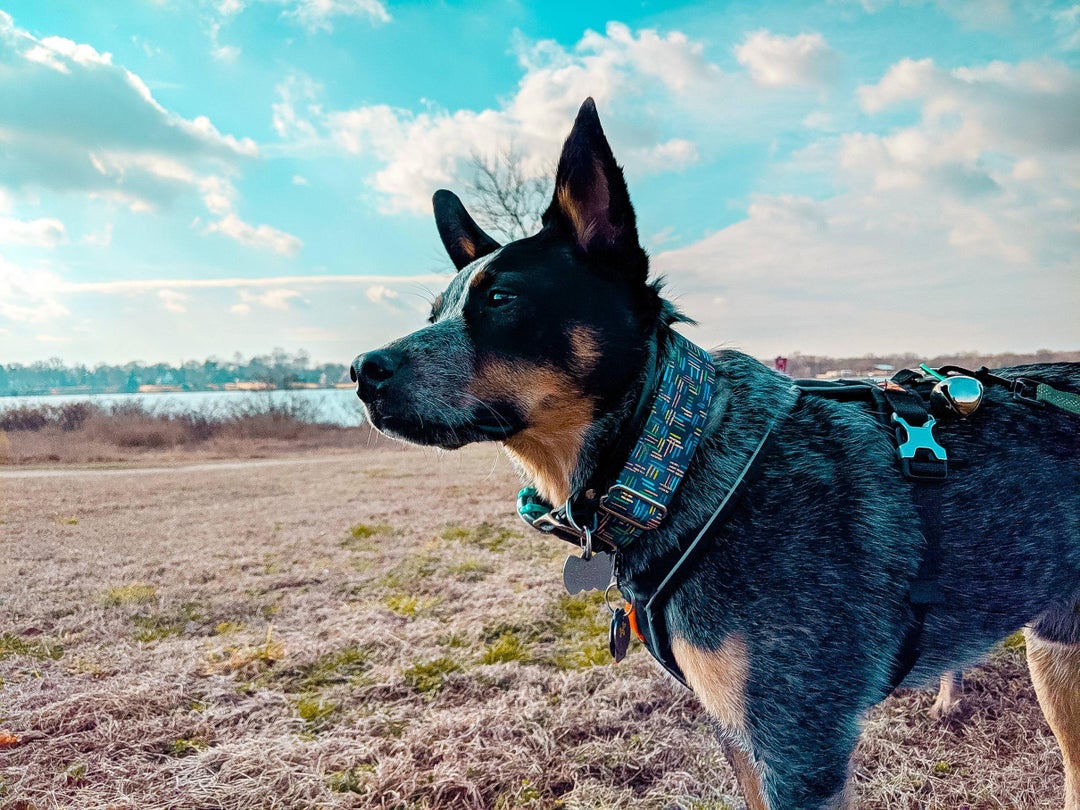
920 454
625 504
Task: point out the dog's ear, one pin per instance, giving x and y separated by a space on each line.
590 198
461 236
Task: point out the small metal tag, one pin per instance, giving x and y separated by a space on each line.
593 574
619 634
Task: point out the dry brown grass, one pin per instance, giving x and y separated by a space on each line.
373 630
80 432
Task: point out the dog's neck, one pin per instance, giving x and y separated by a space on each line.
586 446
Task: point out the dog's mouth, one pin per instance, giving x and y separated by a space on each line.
482 423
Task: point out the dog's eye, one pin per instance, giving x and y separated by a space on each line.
497 298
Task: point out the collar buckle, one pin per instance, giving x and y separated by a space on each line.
633 508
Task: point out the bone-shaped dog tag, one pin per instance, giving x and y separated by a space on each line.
593 574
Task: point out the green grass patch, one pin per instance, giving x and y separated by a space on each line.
315 710
354 780
348 665
359 536
470 570
410 605
157 626
134 593
525 795
410 571
580 626
428 677
75 773
1016 642
186 746
485 535
508 647
452 640
40 648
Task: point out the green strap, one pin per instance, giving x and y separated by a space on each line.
1060 399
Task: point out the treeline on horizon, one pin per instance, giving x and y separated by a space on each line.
809 365
282 370
279 369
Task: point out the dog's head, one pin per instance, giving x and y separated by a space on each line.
533 341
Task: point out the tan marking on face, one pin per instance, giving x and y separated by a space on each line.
477 279
585 349
557 414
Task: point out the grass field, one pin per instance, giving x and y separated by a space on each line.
373 628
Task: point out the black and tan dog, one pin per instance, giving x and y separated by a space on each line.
790 625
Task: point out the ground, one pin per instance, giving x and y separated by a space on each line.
372 627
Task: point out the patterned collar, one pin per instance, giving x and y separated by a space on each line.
638 500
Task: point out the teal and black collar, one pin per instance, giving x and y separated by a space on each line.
645 485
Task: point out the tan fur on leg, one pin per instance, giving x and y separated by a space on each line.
948 696
746 776
1055 672
718 678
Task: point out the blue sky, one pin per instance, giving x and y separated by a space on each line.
185 178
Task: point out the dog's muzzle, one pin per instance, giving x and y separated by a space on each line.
373 371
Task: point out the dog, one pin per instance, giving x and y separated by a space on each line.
789 622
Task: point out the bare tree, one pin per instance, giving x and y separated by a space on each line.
503 198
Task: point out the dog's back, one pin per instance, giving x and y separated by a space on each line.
1010 520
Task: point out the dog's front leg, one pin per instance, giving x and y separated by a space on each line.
789 751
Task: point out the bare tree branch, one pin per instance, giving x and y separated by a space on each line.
502 198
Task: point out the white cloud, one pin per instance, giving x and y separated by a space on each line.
173 301
315 15
670 155
102 238
999 129
219 196
279 298
300 180
262 237
381 294
287 121
219 52
29 295
131 286
45 232
977 14
779 61
417 152
948 227
73 121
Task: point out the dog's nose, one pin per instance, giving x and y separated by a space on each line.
373 369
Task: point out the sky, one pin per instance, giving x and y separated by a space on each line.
182 179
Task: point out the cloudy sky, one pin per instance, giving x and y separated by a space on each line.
183 178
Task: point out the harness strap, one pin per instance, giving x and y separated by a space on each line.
650 622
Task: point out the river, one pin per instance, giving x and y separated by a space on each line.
337 406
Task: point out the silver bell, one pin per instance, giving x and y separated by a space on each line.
956 396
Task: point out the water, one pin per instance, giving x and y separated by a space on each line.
335 406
